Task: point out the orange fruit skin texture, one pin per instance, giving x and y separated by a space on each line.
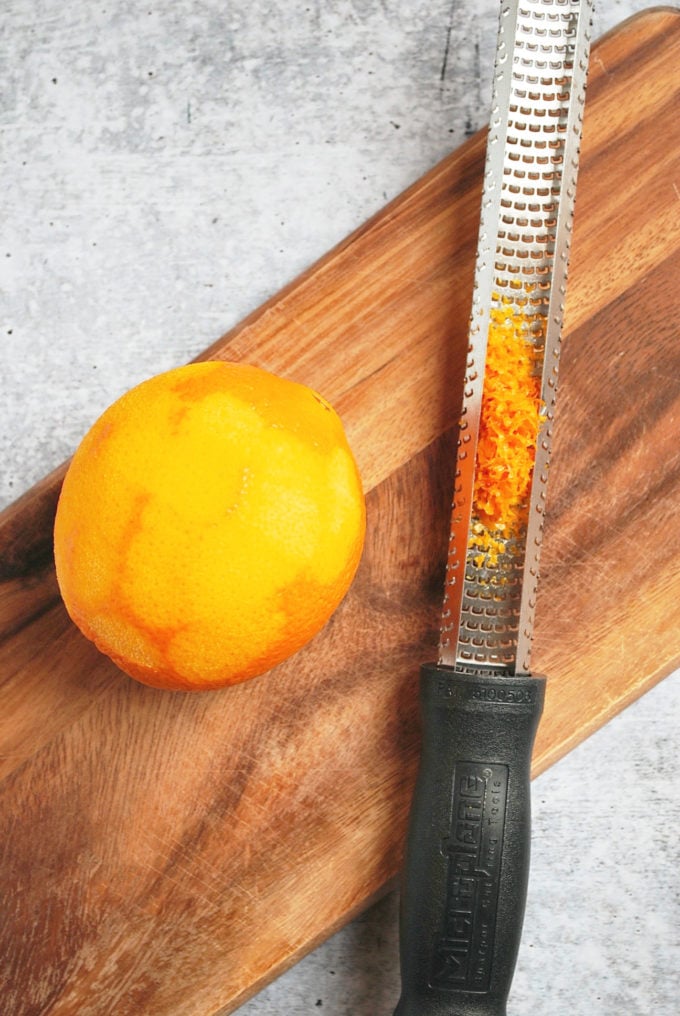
209 524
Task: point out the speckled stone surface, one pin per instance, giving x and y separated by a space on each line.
166 167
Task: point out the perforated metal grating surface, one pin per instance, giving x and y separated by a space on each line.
523 249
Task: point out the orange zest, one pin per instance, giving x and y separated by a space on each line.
511 416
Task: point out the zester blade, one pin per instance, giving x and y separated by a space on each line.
520 281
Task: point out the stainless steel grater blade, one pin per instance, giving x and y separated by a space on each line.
520 278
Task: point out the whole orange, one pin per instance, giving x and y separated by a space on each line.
209 524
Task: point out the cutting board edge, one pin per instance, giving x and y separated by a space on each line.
613 708
390 885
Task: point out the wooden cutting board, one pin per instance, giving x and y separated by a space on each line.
168 853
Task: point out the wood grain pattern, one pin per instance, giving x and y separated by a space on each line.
168 853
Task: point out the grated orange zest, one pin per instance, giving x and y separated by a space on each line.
511 416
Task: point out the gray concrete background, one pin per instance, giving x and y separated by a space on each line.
166 167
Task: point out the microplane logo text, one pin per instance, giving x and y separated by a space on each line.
473 845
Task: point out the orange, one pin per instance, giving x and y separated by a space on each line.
209 524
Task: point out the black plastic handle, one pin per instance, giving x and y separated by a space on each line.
467 853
